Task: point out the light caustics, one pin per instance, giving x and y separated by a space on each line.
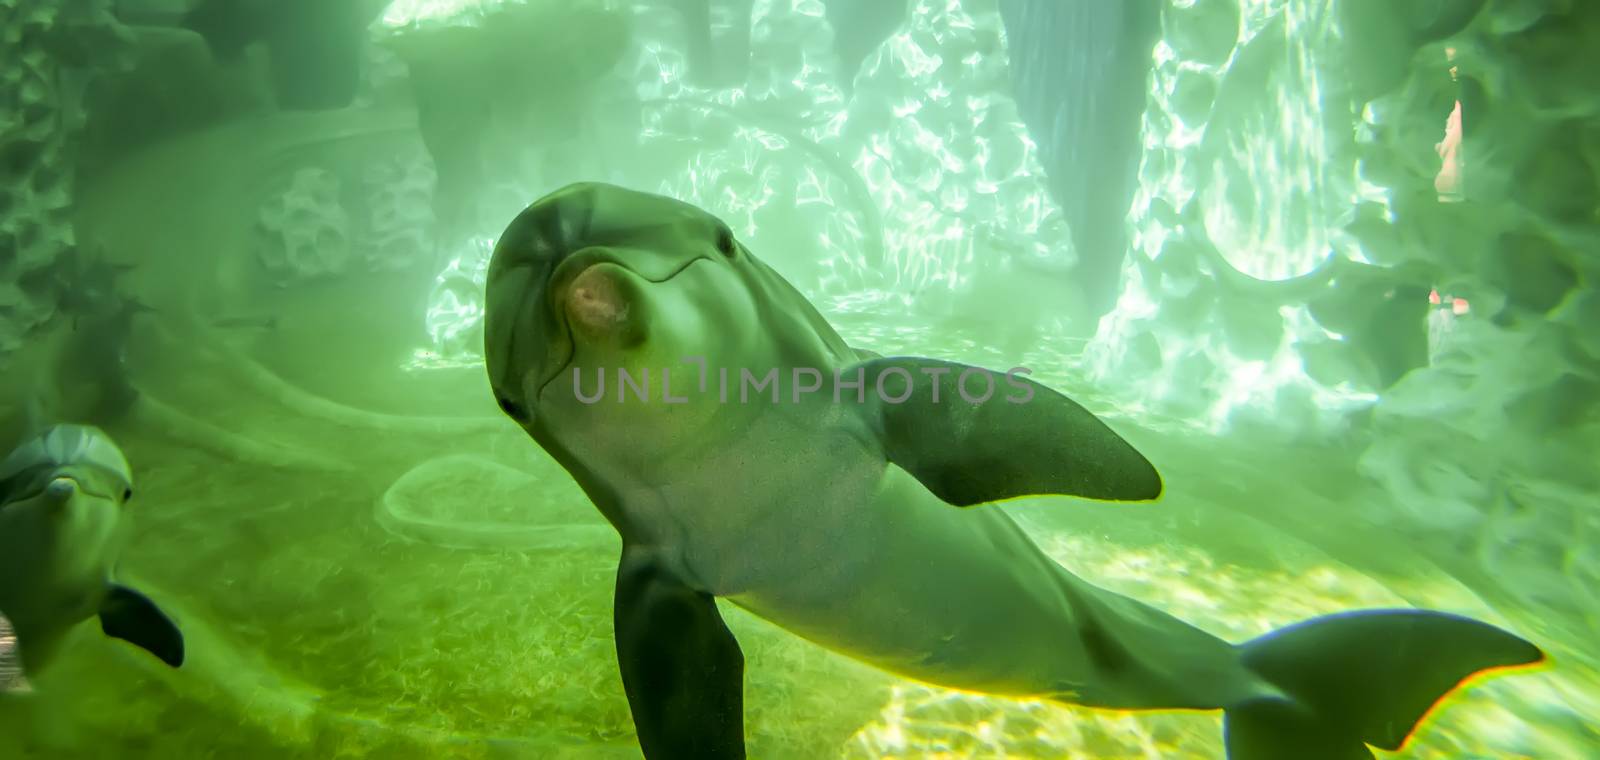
930 156
1262 169
953 187
454 319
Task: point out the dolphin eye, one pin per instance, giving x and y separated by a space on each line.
726 244
511 408
127 493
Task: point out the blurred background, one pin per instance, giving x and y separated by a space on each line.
1329 264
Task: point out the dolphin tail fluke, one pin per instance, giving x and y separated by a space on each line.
1359 679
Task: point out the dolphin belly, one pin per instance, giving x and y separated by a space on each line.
963 598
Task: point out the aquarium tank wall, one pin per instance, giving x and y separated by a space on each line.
1329 265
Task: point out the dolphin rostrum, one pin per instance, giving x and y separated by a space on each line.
743 450
62 498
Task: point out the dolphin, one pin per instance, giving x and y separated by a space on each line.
861 521
62 498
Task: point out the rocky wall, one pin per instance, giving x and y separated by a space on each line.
50 52
1495 439
1364 220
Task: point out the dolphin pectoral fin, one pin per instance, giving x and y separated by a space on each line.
1024 439
132 617
681 666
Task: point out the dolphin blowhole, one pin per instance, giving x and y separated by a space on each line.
596 301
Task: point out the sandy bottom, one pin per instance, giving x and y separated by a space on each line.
395 571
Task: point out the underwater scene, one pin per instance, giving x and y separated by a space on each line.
858 379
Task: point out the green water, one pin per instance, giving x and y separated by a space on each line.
368 560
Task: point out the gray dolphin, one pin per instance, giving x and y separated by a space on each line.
856 522
62 497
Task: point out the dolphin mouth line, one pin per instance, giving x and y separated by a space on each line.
59 485
567 274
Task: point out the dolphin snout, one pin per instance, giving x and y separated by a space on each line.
61 490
